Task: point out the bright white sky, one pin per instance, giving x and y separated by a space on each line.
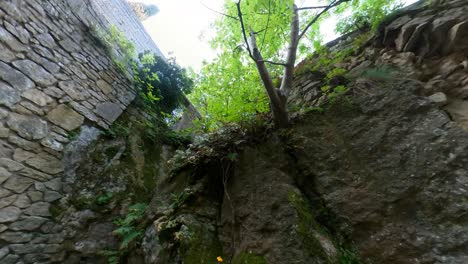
181 29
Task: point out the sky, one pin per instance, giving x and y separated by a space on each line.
182 29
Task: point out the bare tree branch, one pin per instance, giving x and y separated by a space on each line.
310 7
226 15
330 6
275 63
288 75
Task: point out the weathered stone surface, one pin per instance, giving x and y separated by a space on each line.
32 108
108 111
11 41
3 228
35 248
6 149
16 79
54 185
23 143
22 201
11 259
18 31
47 40
51 143
29 127
21 155
45 163
4 192
73 90
9 214
35 174
4 175
8 95
3 252
51 196
69 45
3 113
6 201
39 258
38 97
35 196
54 92
459 111
439 99
6 55
4 132
36 72
38 209
29 223
457 34
105 87
16 237
18 184
65 117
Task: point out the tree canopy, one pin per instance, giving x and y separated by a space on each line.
229 89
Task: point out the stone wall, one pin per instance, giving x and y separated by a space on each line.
120 14
54 78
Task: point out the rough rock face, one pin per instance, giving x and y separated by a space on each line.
379 173
394 169
420 43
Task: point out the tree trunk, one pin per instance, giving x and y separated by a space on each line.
288 76
278 107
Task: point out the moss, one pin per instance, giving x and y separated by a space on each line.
307 226
200 247
348 257
308 222
56 211
247 258
82 202
72 135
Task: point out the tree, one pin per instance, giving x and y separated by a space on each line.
270 33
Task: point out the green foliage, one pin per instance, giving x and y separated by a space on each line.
104 198
128 229
113 257
117 129
72 135
247 258
161 84
364 13
229 89
348 257
177 200
335 72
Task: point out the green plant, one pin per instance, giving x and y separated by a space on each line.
366 14
113 257
161 84
118 129
72 135
117 47
347 256
177 200
104 198
129 230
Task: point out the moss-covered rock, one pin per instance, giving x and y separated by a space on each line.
248 258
